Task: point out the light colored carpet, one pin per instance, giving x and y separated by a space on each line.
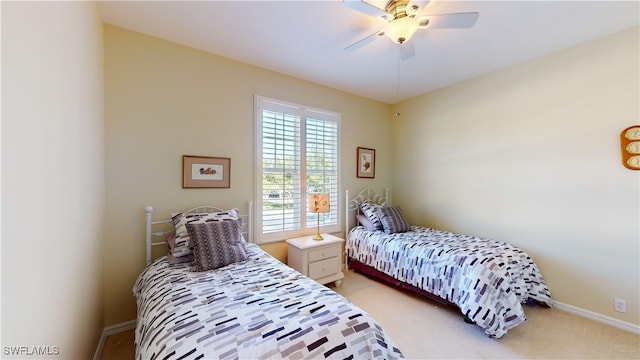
423 329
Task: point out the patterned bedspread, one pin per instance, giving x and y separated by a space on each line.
257 309
488 280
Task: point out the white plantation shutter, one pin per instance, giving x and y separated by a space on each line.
297 153
322 164
280 171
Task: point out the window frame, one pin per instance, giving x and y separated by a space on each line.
306 227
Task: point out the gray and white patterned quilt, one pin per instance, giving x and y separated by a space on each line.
487 279
256 309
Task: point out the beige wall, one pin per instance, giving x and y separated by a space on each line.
527 155
163 100
531 155
52 177
538 166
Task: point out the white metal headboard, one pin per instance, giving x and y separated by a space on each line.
168 224
366 195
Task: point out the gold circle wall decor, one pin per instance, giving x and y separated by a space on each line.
630 147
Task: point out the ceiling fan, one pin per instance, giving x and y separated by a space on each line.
403 19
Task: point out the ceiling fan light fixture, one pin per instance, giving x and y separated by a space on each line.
400 30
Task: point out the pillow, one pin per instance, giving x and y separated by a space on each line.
393 220
370 211
171 240
182 245
216 244
179 260
364 221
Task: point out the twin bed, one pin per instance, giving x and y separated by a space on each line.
254 308
217 296
487 280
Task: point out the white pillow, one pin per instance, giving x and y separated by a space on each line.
364 221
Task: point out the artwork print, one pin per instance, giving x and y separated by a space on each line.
366 163
205 172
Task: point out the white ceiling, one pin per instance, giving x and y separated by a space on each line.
306 39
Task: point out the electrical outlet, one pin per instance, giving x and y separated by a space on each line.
620 305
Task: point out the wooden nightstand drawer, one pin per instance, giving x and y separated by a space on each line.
324 268
324 253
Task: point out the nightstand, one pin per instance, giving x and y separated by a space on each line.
320 260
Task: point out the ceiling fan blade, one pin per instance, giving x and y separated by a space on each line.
364 41
421 4
449 21
364 7
407 51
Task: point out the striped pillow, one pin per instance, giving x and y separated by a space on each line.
370 211
216 244
393 220
182 245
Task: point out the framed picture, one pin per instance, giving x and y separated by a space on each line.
366 163
205 172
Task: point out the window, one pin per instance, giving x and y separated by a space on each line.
297 153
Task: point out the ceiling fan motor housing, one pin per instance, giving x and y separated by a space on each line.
397 9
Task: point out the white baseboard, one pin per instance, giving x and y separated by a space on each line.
598 317
110 330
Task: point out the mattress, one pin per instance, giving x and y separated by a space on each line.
488 280
256 309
